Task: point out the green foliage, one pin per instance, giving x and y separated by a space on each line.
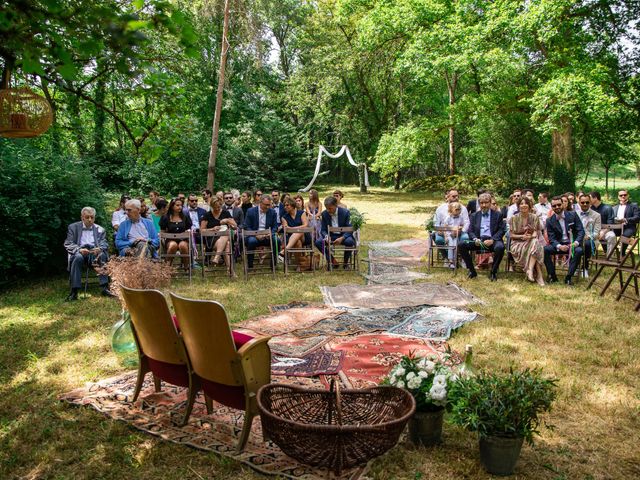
465 184
502 404
357 219
41 194
563 180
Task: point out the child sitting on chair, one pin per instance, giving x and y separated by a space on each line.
455 219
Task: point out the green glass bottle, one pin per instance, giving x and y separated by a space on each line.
467 369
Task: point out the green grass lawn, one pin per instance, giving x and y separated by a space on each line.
590 343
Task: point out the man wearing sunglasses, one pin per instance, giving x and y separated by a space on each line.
566 234
626 213
592 224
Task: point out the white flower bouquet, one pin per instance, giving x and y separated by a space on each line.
426 378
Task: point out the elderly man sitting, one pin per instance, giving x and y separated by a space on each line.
136 235
86 244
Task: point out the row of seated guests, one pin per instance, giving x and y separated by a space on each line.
537 232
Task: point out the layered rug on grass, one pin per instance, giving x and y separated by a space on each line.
369 358
285 320
293 346
360 320
392 296
434 323
160 413
320 362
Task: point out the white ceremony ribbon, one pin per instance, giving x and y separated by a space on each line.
344 149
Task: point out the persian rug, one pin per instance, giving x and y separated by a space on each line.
284 321
358 321
287 306
434 323
404 252
292 346
320 362
394 296
159 414
369 358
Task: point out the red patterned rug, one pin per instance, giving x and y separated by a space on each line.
289 319
158 414
369 358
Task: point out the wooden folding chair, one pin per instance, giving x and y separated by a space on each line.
178 237
160 347
334 249
228 374
209 238
634 273
614 227
258 267
304 252
434 248
617 264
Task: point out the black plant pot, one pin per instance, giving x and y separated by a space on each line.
499 455
425 428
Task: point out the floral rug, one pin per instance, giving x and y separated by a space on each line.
320 362
159 413
393 296
434 323
359 320
293 346
368 358
286 320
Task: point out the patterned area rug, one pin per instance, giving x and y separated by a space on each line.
369 358
287 306
358 321
287 320
293 346
392 296
405 252
434 323
320 362
158 414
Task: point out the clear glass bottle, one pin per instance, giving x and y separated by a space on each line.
467 369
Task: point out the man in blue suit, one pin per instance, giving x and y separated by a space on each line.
566 233
136 232
486 229
334 216
262 217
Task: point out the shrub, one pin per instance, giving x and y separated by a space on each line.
465 184
40 193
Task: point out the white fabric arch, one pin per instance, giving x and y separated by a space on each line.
343 150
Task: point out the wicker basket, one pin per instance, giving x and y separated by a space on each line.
334 429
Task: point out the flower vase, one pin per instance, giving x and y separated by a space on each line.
425 428
123 343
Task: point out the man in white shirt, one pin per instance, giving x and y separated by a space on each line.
442 212
513 208
542 208
119 215
592 224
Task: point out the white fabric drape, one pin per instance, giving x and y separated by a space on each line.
343 150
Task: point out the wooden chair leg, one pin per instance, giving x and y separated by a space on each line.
191 395
595 277
608 284
209 403
624 287
246 429
142 371
156 383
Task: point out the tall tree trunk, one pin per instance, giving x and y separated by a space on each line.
99 118
216 119
76 123
452 83
396 180
562 155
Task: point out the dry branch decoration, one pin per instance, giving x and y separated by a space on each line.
137 272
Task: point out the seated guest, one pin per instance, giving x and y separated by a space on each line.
119 215
454 219
144 210
442 212
527 192
526 245
626 213
206 198
245 203
236 196
314 212
338 195
86 243
567 205
334 216
277 205
257 196
592 224
565 234
175 221
215 220
136 235
494 205
473 206
505 208
486 229
513 208
571 199
606 237
161 211
542 208
230 206
196 213
299 199
295 217
262 217
153 198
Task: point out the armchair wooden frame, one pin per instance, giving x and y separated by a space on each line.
160 347
221 367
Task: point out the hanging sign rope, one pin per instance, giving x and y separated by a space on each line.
343 150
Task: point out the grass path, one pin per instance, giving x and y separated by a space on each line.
591 344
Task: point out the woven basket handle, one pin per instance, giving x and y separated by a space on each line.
335 388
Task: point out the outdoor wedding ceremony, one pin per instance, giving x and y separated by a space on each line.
333 239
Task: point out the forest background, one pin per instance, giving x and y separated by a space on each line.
504 93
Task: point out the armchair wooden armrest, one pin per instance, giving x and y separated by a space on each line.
255 359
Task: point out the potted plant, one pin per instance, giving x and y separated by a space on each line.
428 380
505 410
132 272
357 218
